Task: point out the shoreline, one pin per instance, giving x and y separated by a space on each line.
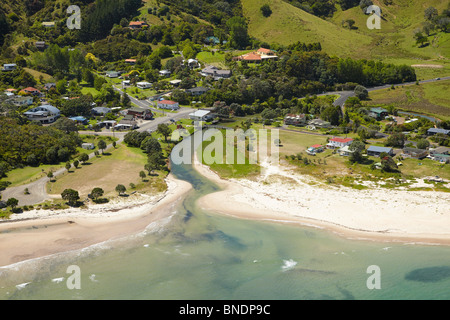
393 216
40 233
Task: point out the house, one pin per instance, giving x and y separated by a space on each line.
215 72
100 111
130 61
137 24
414 153
126 123
257 56
48 24
442 158
9 67
44 114
198 91
167 104
295 119
32 91
212 40
22 101
378 113
440 150
337 142
319 123
140 113
49 85
143 85
201 115
314 149
175 82
88 146
108 124
165 73
112 74
433 131
377 151
265 52
345 151
191 63
79 119
40 45
126 83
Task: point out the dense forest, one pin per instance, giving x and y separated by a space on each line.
32 144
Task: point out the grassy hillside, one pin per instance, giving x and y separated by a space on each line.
394 42
431 98
288 24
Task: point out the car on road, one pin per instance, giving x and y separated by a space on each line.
172 120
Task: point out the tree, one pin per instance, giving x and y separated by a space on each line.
71 196
238 28
97 193
364 4
357 148
120 188
83 157
142 175
12 202
396 139
165 130
431 13
387 163
68 166
423 144
102 145
76 163
154 162
420 39
266 10
361 92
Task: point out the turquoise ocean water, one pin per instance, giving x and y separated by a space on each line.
197 255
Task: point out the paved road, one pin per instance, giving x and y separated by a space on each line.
344 95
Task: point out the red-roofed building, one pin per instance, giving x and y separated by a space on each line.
137 24
168 104
265 52
337 142
130 61
31 90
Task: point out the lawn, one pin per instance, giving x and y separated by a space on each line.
120 166
26 175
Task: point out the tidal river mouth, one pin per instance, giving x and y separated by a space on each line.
204 256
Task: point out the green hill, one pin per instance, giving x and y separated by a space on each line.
288 24
394 42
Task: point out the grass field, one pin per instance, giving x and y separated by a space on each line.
26 175
430 98
121 166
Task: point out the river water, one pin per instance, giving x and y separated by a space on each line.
198 255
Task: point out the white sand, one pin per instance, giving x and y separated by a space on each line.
41 233
280 195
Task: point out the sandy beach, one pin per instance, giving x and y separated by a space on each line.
278 196
40 233
371 214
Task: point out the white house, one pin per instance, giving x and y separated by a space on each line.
167 104
22 101
336 142
200 115
164 73
9 67
143 85
44 114
88 146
